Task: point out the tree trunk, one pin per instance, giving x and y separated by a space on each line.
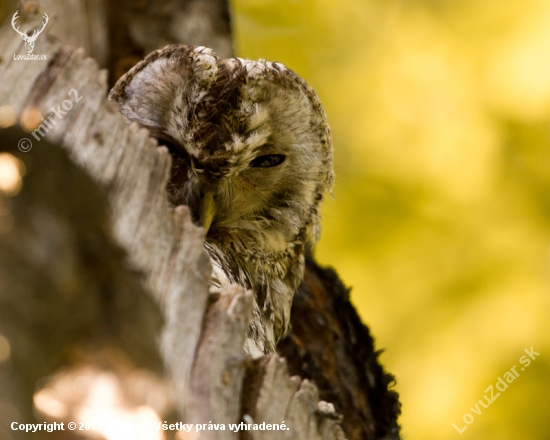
77 273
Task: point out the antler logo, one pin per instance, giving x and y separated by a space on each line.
29 39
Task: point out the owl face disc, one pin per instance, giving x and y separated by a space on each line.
252 159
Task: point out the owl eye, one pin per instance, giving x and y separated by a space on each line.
267 161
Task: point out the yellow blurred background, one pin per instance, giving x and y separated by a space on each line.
440 222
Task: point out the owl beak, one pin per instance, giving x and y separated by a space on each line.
207 210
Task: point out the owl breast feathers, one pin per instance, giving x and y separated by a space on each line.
252 160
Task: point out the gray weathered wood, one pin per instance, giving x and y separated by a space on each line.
64 287
202 337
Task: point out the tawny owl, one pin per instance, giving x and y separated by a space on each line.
252 160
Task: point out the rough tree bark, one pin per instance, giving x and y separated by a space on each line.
64 283
329 353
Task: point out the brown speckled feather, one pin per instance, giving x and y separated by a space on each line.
251 142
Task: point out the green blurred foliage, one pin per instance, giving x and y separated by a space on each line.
441 217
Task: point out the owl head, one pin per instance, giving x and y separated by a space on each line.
251 145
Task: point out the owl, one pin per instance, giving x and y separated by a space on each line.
252 159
